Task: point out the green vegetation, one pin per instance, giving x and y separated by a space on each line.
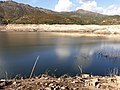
17 13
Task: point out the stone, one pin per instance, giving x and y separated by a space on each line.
47 88
73 82
2 84
14 83
51 84
59 79
46 84
63 88
85 75
97 85
9 89
46 78
2 80
93 82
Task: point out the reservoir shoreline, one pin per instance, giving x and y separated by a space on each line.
104 31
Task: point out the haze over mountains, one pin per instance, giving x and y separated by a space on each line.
17 13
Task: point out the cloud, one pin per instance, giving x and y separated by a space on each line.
84 1
63 53
63 5
91 5
112 10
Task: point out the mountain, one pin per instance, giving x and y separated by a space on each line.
11 10
81 13
18 13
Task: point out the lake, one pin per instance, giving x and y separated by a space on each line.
57 55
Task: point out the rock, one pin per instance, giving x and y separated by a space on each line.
73 82
103 79
63 88
14 83
19 84
97 85
2 84
85 75
36 77
2 80
59 79
86 82
117 79
93 82
51 84
9 89
47 88
46 84
46 78
113 80
38 83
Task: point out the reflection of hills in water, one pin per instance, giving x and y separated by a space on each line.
108 52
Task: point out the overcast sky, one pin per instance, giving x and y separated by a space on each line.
110 7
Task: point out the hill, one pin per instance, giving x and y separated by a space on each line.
18 13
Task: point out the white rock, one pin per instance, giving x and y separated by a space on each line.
48 88
85 75
63 88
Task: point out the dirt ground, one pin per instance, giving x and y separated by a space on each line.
45 82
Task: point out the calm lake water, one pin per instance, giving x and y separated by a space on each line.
58 55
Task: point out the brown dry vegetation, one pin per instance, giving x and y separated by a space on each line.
45 82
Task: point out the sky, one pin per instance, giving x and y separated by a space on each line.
108 7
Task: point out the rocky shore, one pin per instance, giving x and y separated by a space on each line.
45 82
104 31
97 29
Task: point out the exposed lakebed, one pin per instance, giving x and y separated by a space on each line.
58 55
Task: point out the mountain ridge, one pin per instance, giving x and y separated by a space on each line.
12 12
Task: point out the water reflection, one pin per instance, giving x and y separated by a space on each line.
2 67
109 52
58 55
62 51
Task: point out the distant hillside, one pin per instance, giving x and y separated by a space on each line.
13 12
